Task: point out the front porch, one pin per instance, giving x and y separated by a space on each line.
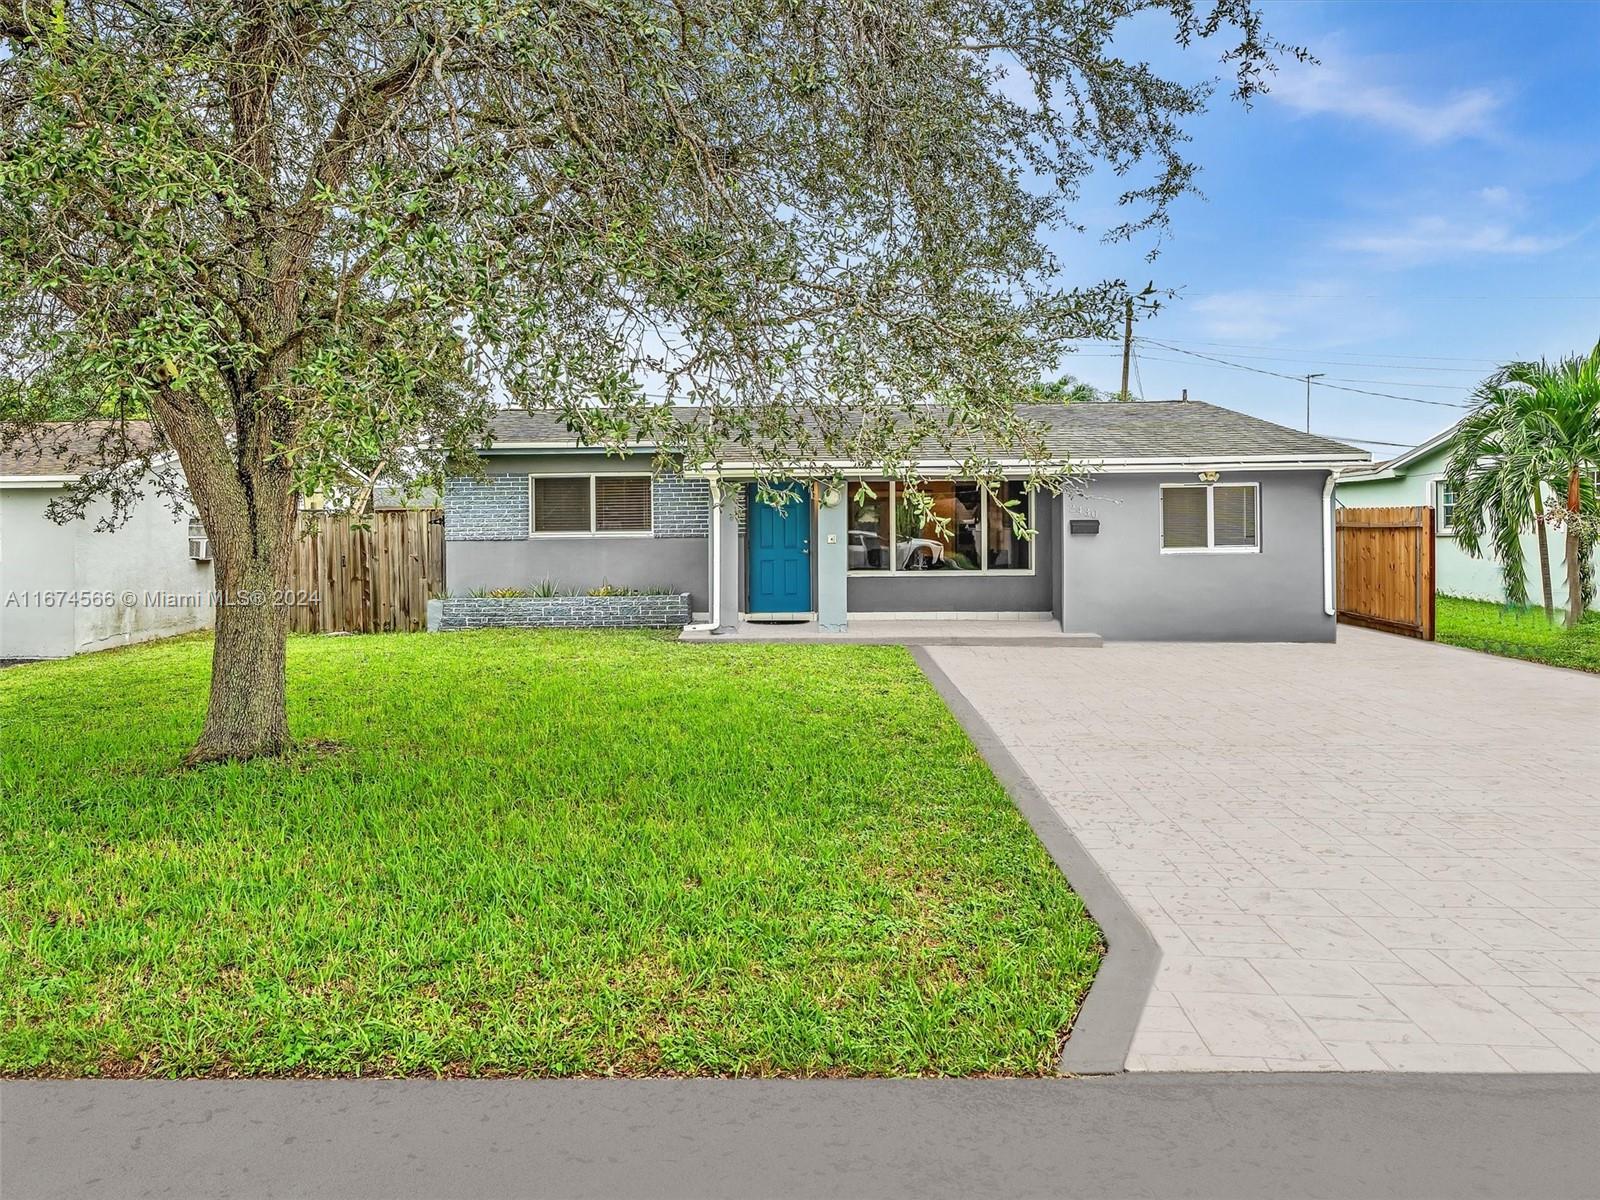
829 565
1041 630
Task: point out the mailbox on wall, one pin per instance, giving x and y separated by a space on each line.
1089 526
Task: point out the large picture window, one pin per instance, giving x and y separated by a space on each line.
967 530
1222 517
577 505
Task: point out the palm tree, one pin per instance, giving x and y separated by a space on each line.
1568 437
1067 390
1495 476
1535 423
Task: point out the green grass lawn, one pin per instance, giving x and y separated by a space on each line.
539 854
1482 625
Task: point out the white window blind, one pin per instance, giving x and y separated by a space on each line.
1234 516
1183 518
621 504
561 504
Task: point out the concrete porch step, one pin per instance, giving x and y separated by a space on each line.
905 633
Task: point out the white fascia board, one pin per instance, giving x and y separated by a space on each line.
558 447
37 481
1360 476
1123 466
1395 468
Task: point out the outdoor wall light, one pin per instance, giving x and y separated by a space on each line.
1210 476
831 497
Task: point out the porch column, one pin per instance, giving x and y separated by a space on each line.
729 555
833 559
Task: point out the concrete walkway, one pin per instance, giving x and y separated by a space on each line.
1376 855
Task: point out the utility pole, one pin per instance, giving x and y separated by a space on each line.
1127 343
1308 379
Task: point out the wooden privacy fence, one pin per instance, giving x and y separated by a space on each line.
1386 573
373 579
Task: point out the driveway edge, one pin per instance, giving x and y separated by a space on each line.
1103 1030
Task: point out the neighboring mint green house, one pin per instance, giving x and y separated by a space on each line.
1417 477
1191 522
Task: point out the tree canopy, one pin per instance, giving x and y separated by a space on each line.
316 242
372 219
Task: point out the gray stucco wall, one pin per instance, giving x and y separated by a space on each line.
487 543
1118 583
147 556
966 591
35 554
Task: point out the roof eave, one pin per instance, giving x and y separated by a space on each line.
37 481
1145 466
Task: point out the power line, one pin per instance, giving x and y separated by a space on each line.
1444 387
1360 441
1299 378
1413 299
1324 350
1340 359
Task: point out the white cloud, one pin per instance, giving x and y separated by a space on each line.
1242 316
1316 311
1351 87
1431 238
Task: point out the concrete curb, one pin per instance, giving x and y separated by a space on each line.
1103 1031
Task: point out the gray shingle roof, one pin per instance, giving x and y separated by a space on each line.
72 448
1154 429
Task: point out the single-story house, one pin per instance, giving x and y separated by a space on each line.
66 588
1417 478
1192 522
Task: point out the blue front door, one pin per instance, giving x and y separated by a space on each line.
780 553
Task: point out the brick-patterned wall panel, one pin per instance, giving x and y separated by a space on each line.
491 509
682 506
564 612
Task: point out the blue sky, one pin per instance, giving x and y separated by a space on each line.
1420 205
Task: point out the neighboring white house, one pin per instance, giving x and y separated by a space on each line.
1417 477
67 588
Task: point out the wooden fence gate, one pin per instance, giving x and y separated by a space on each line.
1386 576
376 579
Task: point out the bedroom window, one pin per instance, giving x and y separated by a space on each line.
589 505
975 534
1210 518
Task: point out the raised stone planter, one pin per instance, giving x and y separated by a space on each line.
559 612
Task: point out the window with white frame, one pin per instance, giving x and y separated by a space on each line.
967 530
589 505
1207 517
1444 507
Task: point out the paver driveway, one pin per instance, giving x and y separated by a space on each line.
1376 855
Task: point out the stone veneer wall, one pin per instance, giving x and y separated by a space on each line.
495 508
559 612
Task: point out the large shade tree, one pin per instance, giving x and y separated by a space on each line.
296 234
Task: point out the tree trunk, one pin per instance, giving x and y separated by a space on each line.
246 716
1574 550
1543 534
252 532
